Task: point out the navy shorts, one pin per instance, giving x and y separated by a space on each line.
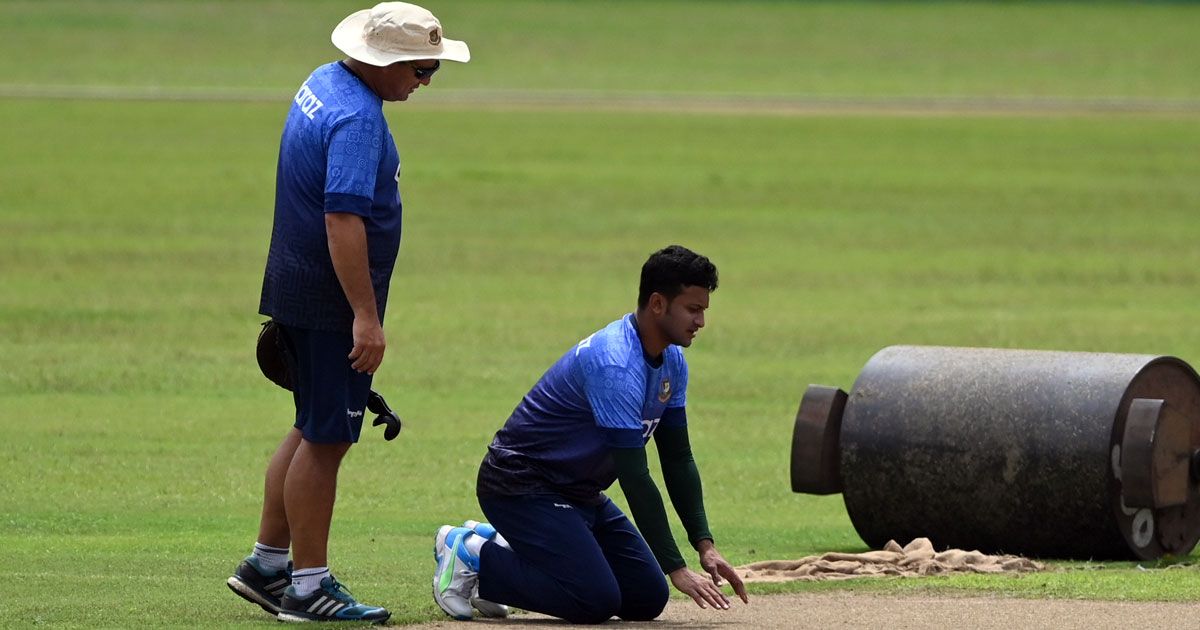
331 398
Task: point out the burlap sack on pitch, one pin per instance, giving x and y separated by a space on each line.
914 559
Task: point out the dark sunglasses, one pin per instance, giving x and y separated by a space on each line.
425 73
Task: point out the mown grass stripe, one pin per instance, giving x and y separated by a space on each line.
640 101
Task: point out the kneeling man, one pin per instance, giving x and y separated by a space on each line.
555 543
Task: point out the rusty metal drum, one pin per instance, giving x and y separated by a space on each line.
1048 454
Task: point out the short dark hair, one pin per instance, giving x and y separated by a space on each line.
672 268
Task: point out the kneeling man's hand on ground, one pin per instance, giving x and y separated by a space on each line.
705 589
718 567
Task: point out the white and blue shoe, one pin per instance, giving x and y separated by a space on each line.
488 609
457 574
450 541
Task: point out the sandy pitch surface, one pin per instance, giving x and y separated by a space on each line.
849 610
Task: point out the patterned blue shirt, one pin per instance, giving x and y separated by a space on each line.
336 155
604 393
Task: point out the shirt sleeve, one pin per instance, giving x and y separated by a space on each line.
646 506
679 387
683 480
675 417
615 394
355 147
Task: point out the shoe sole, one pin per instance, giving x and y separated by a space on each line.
491 610
292 617
243 590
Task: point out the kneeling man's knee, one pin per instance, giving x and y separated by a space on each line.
599 605
647 604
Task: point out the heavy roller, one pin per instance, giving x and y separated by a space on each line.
1040 453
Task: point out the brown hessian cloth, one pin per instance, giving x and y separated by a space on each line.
917 558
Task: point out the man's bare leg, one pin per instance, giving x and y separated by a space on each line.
273 527
309 490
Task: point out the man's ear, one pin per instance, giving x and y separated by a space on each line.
658 303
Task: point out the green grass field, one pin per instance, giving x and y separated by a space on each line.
137 425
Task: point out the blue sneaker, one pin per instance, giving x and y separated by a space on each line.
331 602
457 574
250 583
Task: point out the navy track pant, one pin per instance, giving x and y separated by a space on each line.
577 562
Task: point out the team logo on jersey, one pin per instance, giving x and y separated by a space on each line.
664 390
435 37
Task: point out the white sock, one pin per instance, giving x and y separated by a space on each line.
305 581
473 543
496 537
270 559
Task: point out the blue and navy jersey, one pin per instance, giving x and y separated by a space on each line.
603 393
336 155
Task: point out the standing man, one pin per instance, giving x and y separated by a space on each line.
333 247
562 547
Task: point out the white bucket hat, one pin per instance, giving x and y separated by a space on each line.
396 31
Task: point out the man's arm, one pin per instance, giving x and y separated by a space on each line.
687 495
347 238
645 502
682 478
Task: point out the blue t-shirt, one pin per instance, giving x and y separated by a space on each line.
336 155
603 393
